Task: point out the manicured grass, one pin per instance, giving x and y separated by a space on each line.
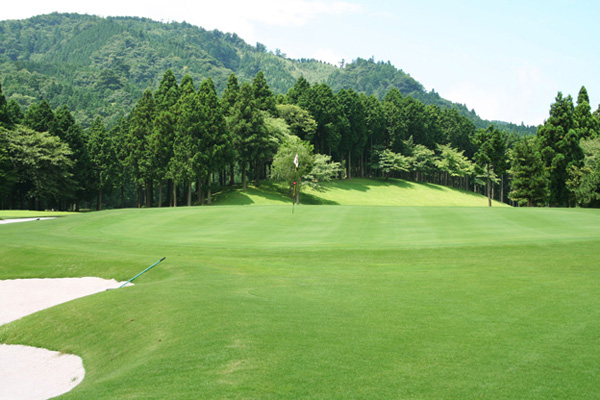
331 302
359 192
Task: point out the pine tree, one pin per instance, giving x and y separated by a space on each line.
163 135
248 126
40 117
559 146
529 175
354 134
587 126
297 93
103 159
216 143
490 155
183 166
141 126
230 95
71 133
4 112
263 96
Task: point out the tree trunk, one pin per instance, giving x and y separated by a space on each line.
244 184
99 200
488 187
123 196
208 192
189 194
502 189
199 191
231 174
349 173
160 194
174 193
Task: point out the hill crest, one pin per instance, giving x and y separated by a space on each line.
101 66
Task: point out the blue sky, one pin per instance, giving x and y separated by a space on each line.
505 59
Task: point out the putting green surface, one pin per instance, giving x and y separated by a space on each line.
330 302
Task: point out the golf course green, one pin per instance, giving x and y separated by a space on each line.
331 302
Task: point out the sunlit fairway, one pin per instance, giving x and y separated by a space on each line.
332 302
361 192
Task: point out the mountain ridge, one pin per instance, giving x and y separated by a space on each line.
101 65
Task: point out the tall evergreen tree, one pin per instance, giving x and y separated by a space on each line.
230 95
490 155
263 96
103 159
215 145
354 135
184 165
396 131
119 135
4 112
161 140
40 117
247 124
228 101
141 126
15 113
322 104
587 126
559 146
71 133
529 175
297 93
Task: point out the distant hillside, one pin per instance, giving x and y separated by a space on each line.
101 66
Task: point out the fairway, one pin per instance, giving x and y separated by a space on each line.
333 302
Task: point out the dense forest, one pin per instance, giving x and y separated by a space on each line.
183 138
183 142
101 66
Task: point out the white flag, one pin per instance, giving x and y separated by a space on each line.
296 162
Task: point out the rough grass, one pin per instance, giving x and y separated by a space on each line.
331 302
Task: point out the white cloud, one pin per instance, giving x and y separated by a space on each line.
238 16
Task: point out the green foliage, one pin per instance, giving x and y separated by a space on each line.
584 181
529 175
388 162
559 146
101 66
299 121
284 168
453 162
41 161
491 154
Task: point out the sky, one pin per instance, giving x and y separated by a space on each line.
507 60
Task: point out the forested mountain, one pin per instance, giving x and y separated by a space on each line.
101 66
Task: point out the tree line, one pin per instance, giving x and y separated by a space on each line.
181 143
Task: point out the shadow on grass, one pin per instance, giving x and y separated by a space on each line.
364 184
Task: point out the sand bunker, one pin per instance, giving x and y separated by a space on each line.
29 373
13 220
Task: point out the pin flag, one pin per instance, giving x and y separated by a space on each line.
296 161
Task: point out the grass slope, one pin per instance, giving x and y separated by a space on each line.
363 192
331 302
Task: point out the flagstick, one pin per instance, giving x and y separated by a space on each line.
296 163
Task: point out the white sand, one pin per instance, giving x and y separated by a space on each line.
13 220
29 373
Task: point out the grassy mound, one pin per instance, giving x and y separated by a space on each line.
331 302
363 192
